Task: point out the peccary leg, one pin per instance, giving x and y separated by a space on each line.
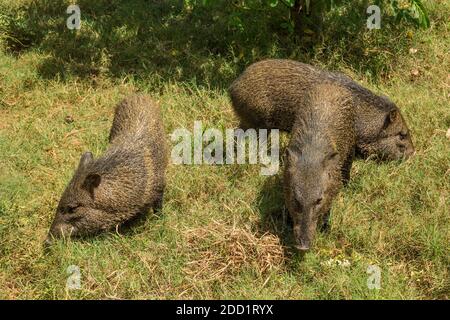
158 203
346 168
325 226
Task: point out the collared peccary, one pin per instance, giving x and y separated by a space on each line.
125 182
319 159
270 93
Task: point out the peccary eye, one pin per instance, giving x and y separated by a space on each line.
72 209
402 135
318 201
297 203
332 156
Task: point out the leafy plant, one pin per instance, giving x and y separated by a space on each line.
412 11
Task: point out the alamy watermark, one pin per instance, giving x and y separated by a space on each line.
374 20
190 149
74 20
73 282
374 279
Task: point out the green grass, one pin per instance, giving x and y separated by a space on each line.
223 232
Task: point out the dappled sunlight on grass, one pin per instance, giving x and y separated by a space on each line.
224 230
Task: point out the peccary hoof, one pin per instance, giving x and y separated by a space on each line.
47 244
302 249
325 226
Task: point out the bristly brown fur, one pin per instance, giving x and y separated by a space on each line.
270 93
319 159
126 181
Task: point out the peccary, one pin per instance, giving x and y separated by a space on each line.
319 159
125 182
270 93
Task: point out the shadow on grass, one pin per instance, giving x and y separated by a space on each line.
129 228
275 217
159 41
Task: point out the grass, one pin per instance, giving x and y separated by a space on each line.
224 231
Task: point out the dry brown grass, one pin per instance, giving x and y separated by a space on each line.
218 251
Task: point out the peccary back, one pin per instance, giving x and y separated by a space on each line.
271 93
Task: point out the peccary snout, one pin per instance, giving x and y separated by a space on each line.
305 228
59 229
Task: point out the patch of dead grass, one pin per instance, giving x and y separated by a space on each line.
219 251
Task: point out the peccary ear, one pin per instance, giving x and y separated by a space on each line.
391 117
393 114
86 158
91 182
